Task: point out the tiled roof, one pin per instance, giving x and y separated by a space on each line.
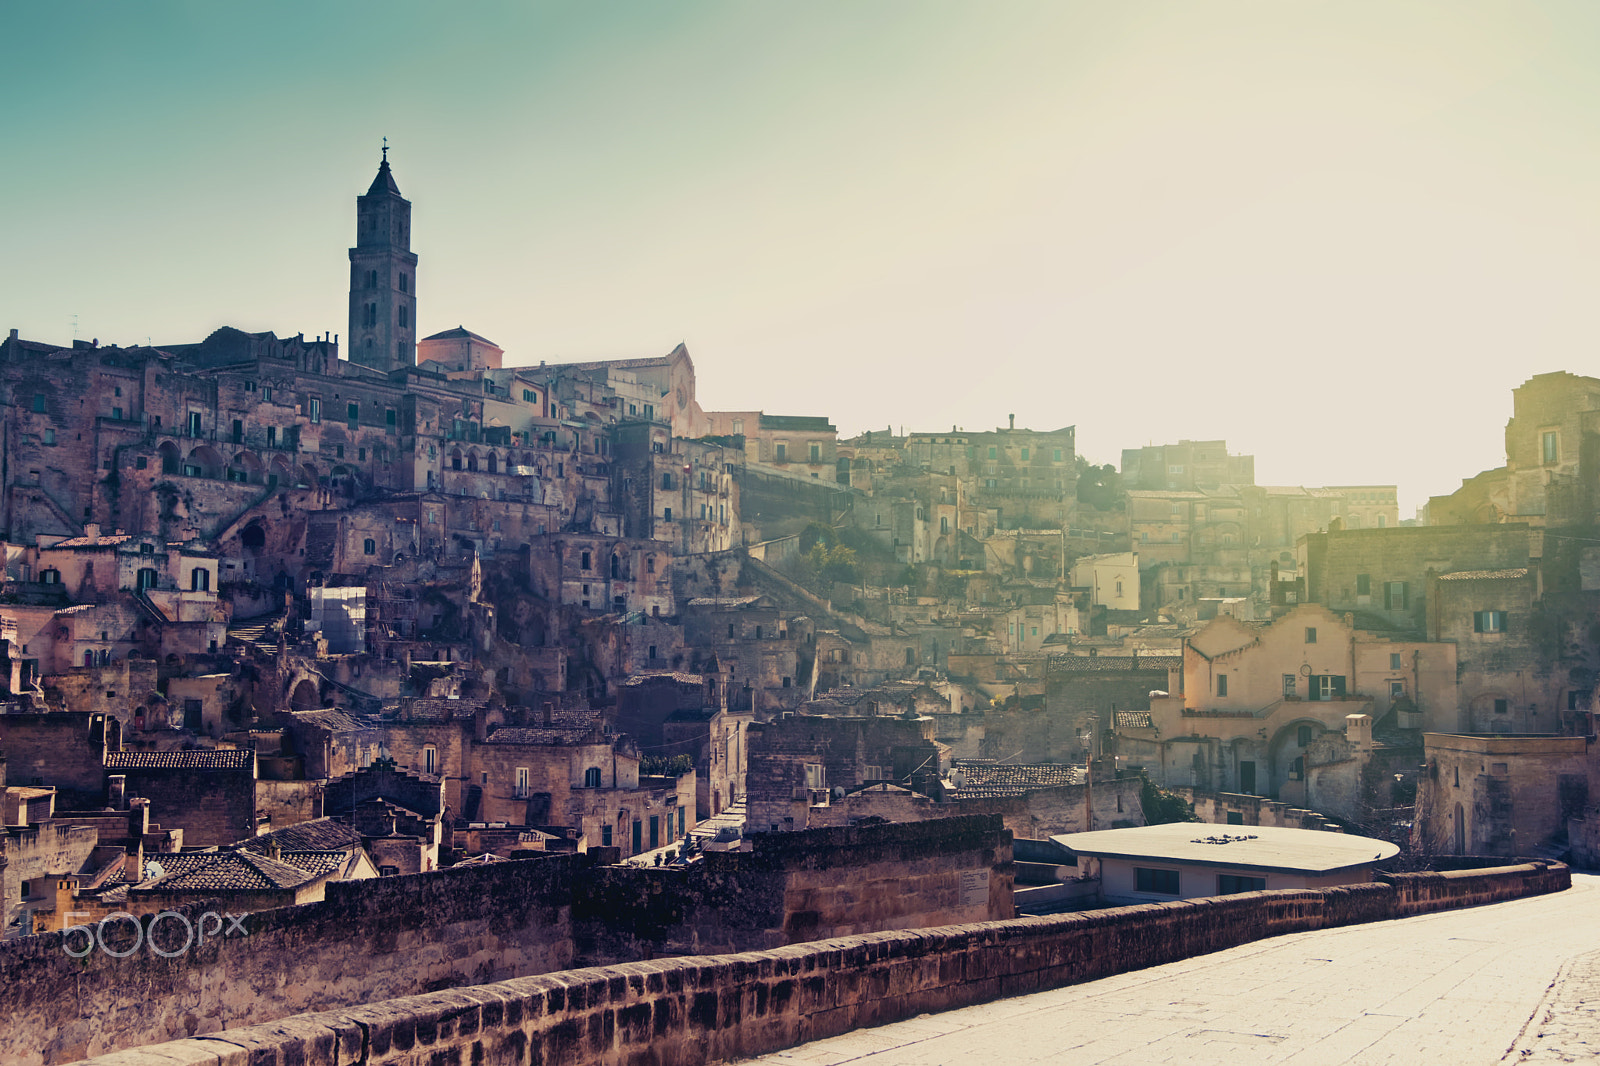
458 333
104 541
229 871
332 721
321 835
316 863
1133 720
723 601
680 678
1004 779
439 710
214 759
1485 575
571 728
1113 663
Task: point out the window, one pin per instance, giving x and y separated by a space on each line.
816 776
1489 621
266 394
352 413
1502 706
1395 596
1363 584
314 409
116 413
666 480
1056 455
430 759
388 416
369 547
1327 687
199 580
522 783
38 403
816 453
405 282
1228 884
591 779
1397 689
1549 445
1394 660
1311 634
1222 684
405 316
49 436
667 516
194 423
585 561
1289 681
140 462
1303 735
50 577
782 452
1162 882
1235 818
1025 453
272 436
993 452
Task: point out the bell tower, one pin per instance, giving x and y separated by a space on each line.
383 278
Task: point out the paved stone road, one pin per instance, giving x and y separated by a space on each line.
1514 982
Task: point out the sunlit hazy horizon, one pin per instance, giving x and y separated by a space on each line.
1335 234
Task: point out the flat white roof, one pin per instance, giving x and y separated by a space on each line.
1252 846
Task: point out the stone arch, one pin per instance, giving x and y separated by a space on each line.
493 461
455 459
307 475
280 473
253 537
209 460
168 455
248 467
472 459
305 696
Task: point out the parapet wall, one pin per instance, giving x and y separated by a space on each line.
708 1009
368 940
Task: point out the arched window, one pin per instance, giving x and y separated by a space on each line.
88 658
616 567
494 463
591 777
200 580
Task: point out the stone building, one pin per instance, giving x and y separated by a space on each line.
1501 794
1254 699
1188 464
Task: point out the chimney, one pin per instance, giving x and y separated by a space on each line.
116 792
91 529
1013 421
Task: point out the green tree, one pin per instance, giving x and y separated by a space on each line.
1161 806
1099 486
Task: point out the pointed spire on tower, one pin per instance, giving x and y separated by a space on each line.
384 182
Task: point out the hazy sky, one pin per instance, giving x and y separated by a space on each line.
1337 234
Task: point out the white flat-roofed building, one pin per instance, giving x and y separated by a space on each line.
1182 860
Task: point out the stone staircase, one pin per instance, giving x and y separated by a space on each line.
261 633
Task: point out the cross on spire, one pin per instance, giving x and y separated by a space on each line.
386 149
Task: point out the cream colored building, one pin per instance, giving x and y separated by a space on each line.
1253 697
1112 580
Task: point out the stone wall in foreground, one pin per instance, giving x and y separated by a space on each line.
682 1011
